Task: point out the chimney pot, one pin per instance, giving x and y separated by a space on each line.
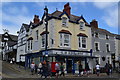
36 19
94 24
67 9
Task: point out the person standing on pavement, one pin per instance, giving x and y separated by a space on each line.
13 59
36 67
97 69
107 68
57 68
80 69
32 66
62 69
87 68
40 68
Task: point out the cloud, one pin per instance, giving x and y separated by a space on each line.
59 0
13 22
110 16
103 5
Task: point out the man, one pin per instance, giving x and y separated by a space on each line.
32 66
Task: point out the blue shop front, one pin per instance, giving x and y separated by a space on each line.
69 58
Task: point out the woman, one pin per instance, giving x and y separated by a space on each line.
97 69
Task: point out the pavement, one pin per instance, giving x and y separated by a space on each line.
16 72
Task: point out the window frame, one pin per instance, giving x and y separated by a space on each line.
97 49
81 43
64 22
62 40
81 25
43 40
107 48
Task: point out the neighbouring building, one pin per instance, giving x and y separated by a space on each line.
117 54
103 44
9 46
21 43
0 46
69 40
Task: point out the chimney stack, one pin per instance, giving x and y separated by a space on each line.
94 24
67 9
36 19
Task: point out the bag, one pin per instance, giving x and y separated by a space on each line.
11 62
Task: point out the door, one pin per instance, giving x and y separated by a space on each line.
69 66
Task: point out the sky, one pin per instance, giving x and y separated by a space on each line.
13 14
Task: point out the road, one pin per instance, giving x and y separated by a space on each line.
13 72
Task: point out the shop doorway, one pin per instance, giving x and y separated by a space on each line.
69 66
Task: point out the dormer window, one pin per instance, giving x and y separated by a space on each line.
107 37
96 34
82 24
64 21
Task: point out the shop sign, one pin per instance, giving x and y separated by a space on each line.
68 53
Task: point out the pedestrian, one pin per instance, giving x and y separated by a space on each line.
110 65
87 68
57 68
62 69
13 59
80 69
36 68
49 69
45 69
97 69
32 66
40 68
107 68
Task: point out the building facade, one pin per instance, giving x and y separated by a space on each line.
9 46
117 54
21 44
103 44
69 40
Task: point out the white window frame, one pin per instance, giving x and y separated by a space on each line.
95 35
28 45
43 37
80 43
82 25
62 40
64 22
37 37
107 37
108 47
98 46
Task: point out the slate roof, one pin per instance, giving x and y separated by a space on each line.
118 37
26 26
102 31
57 15
11 43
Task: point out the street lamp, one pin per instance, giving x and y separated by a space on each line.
46 31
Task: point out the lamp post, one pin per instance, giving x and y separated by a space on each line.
46 31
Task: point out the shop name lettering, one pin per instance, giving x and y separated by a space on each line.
67 53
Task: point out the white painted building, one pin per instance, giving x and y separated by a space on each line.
22 38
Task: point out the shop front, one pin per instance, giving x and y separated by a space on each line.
69 58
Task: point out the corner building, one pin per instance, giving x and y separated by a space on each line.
69 40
